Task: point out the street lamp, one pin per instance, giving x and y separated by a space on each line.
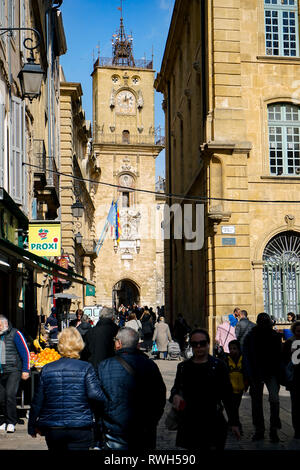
31 75
77 209
78 238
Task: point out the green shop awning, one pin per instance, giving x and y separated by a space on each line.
39 263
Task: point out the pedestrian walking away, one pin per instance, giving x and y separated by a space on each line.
201 388
14 367
132 322
262 365
99 340
243 327
147 329
84 325
162 336
99 345
60 409
136 396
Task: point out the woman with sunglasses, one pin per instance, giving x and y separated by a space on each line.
201 389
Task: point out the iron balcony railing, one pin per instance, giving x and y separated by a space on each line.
52 176
109 62
39 153
130 139
43 163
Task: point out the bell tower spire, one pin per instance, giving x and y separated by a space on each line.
122 45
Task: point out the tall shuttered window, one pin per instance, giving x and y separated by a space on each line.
284 134
281 27
16 150
2 140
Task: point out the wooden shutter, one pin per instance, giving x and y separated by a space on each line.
16 149
2 137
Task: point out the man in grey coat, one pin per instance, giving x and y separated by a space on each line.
243 327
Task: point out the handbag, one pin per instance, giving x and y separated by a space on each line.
154 348
172 419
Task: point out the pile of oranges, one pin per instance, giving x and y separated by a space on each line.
44 357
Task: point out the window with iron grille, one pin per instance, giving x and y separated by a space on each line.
281 275
284 133
281 27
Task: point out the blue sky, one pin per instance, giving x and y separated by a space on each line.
89 26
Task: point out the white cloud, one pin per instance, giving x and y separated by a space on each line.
166 4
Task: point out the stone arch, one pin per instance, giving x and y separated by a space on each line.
126 291
267 237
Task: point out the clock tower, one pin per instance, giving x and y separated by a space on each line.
125 148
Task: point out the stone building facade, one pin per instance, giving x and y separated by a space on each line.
230 82
125 148
29 147
78 236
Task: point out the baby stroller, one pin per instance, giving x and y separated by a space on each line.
174 351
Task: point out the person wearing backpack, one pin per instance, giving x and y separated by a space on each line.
234 360
201 390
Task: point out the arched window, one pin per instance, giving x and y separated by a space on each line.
126 193
284 132
281 275
281 27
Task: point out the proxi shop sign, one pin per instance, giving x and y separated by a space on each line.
44 239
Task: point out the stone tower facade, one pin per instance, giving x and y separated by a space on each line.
125 148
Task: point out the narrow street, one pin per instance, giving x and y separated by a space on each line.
166 439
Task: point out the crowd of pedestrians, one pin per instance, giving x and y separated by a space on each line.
264 359
107 392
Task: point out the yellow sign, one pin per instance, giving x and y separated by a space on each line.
44 239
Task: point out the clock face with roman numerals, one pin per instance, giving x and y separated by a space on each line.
125 102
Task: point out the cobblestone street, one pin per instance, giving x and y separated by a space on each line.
166 439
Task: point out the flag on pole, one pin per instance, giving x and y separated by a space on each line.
117 226
111 215
110 220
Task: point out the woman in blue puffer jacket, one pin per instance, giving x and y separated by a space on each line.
61 409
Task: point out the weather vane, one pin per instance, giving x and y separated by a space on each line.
120 8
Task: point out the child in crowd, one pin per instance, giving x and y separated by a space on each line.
234 363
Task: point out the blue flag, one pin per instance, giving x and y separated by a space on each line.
111 218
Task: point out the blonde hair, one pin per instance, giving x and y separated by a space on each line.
70 343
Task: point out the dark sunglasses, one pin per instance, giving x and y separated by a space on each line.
201 343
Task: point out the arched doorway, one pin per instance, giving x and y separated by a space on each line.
125 292
281 275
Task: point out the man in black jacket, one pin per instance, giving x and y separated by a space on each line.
261 361
243 327
99 345
99 340
136 395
